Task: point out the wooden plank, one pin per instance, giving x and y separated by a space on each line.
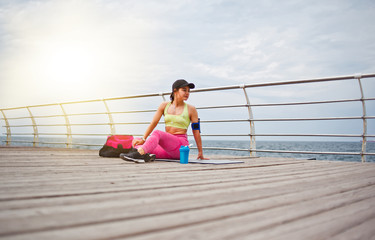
77 195
138 182
261 214
327 223
229 184
364 230
162 200
331 211
39 174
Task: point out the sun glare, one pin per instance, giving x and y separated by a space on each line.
72 49
66 63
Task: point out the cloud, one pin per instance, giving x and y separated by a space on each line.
131 47
295 41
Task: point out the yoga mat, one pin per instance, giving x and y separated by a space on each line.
211 161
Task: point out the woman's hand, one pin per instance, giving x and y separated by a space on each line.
200 156
137 141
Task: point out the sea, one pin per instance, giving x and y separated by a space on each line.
310 146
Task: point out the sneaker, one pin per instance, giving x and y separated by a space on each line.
136 157
132 150
150 157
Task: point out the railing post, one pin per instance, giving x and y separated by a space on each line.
35 128
252 128
69 140
9 133
364 119
111 123
162 95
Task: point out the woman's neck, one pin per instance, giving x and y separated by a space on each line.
178 103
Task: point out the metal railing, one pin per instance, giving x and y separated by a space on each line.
247 106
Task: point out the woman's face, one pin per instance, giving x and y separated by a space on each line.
182 93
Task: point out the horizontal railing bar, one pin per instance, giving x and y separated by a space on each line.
222 121
39 105
288 119
135 111
88 124
62 143
285 135
222 106
86 101
61 134
39 125
208 89
283 151
134 96
53 134
307 152
88 144
306 103
222 148
283 104
25 141
200 108
283 83
13 118
28 117
20 141
18 134
101 113
85 114
81 114
90 134
223 135
62 124
203 121
133 123
306 135
208 135
309 119
22 134
119 98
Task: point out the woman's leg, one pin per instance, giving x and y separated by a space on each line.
164 145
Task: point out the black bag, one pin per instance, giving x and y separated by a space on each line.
115 145
108 151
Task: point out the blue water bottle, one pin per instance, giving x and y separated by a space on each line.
184 154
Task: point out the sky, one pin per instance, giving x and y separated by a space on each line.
66 50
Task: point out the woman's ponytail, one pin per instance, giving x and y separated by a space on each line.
172 97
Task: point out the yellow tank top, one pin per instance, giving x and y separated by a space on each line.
178 121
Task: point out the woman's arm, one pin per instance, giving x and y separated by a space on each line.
153 124
197 135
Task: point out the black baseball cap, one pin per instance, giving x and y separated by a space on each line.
182 83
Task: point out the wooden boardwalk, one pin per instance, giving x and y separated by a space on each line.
74 194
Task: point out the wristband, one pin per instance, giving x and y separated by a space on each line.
143 139
196 126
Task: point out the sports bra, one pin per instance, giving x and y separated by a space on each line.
178 121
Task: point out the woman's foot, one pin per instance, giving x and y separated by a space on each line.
136 157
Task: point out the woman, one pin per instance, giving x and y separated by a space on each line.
177 116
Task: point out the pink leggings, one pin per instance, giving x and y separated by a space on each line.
164 145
